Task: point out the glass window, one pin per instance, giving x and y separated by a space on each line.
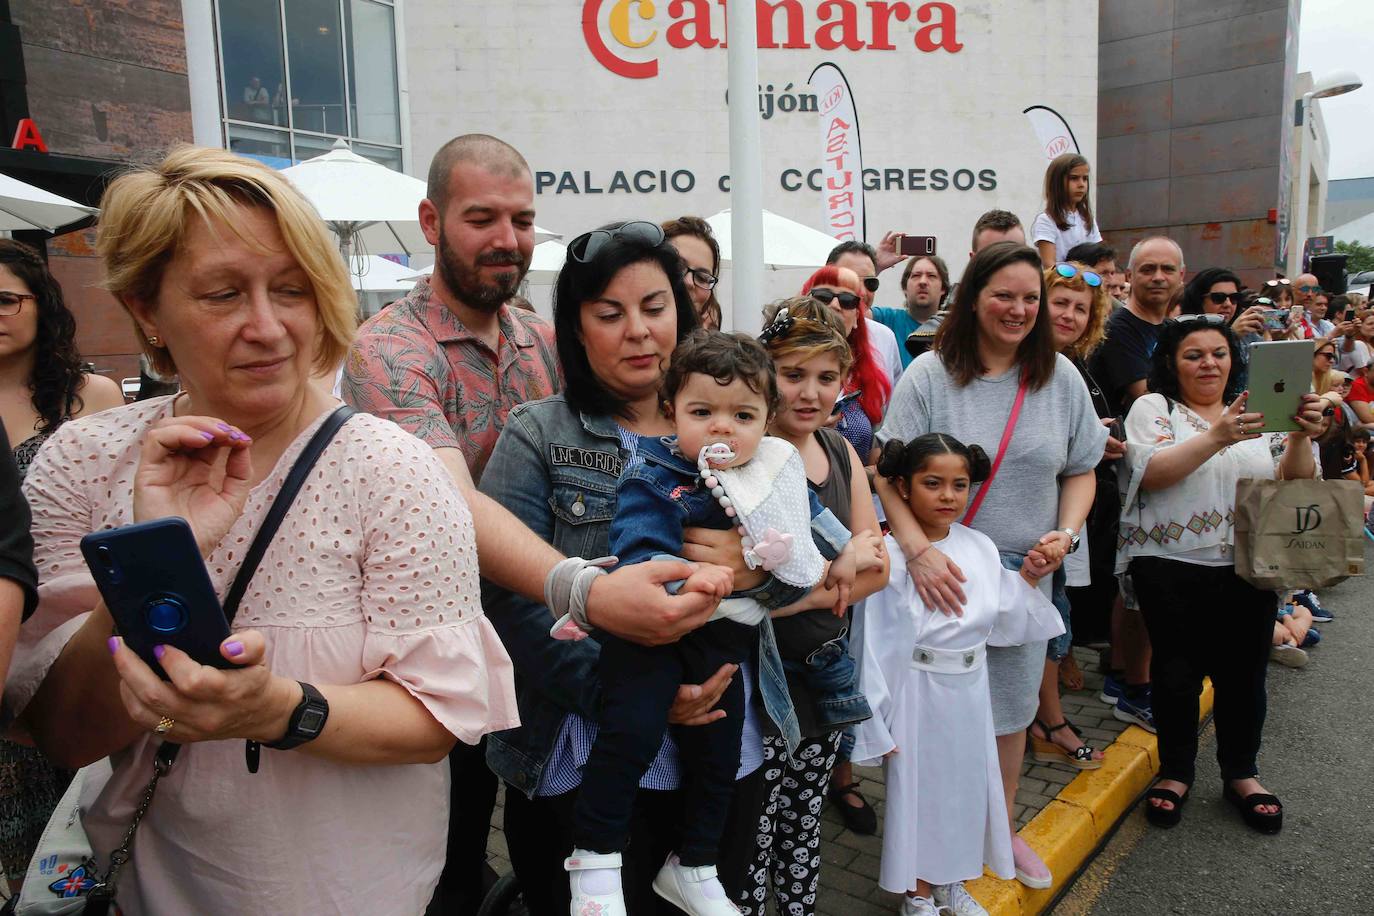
388 156
308 146
265 144
372 91
314 47
250 41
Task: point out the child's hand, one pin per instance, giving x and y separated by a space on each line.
868 551
709 579
843 570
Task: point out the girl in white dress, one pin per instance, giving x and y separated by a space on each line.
925 678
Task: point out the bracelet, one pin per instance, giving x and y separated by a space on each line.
920 553
568 584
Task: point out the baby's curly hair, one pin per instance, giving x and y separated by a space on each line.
725 358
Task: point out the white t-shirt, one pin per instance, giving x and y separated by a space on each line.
884 344
1044 230
1349 361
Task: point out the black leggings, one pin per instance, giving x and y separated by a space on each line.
1205 621
638 686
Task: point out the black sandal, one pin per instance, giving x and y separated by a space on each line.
1165 817
863 819
1255 820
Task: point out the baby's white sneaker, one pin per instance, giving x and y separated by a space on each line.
921 906
956 898
594 880
696 891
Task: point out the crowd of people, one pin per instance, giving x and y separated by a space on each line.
668 585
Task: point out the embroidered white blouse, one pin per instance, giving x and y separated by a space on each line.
1190 521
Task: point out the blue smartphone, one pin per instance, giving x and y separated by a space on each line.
155 584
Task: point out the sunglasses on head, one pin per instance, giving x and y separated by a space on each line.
871 284
848 301
702 277
1068 271
585 247
1200 318
1281 282
1219 298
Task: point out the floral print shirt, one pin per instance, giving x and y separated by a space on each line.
416 364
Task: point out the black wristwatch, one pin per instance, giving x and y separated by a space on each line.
307 720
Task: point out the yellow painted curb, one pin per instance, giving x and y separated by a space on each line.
1067 832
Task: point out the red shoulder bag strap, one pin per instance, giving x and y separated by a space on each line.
1001 452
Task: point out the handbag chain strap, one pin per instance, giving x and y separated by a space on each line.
102 893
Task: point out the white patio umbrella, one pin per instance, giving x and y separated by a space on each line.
786 243
545 262
371 273
25 207
370 207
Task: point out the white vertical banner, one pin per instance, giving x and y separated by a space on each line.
842 192
1052 131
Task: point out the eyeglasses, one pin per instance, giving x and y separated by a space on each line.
702 277
585 247
11 303
871 284
1307 288
1219 298
1068 271
848 301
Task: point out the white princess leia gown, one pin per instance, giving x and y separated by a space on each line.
925 676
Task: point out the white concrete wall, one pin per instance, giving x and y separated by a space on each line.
524 72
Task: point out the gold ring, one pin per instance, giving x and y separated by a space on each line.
164 725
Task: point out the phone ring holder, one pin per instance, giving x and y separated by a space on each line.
165 614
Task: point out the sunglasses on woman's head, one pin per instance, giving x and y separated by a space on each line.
871 284
1219 298
848 301
702 277
585 247
1281 282
1200 318
1068 271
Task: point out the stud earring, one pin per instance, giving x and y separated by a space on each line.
155 341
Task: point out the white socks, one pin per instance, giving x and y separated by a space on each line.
594 881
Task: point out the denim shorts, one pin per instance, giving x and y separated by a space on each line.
1060 645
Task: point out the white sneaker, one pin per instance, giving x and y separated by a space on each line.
921 906
956 898
594 880
1289 655
696 891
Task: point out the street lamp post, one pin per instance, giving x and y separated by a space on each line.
1338 83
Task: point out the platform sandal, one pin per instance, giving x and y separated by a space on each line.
1044 750
1261 823
1165 817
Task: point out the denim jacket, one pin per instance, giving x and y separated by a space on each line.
556 470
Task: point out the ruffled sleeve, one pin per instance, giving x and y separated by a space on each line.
425 626
884 636
1024 614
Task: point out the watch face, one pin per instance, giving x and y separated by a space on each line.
312 720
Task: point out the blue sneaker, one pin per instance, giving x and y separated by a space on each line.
1313 637
1309 601
1111 690
1137 710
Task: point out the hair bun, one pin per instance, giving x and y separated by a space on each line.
892 459
979 466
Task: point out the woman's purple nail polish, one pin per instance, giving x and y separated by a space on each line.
113 643
159 651
226 427
234 648
209 437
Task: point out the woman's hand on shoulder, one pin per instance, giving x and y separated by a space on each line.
208 703
1235 425
938 581
196 468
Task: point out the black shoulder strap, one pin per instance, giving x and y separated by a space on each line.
281 505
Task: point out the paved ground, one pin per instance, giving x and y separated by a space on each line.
850 862
1316 758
